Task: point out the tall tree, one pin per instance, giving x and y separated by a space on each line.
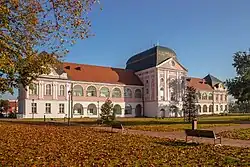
189 103
239 86
107 114
29 26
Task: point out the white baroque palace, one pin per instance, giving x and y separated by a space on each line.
152 84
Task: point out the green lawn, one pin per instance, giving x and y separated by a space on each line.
44 145
242 134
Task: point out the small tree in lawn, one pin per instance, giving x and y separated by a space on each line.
107 115
189 101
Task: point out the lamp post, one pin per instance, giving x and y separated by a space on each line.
69 93
32 109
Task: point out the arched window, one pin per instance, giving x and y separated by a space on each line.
128 93
204 96
116 93
78 109
104 92
128 109
211 108
78 90
138 93
48 91
217 97
62 90
92 110
172 94
33 89
210 96
162 93
199 108
199 95
204 108
117 109
91 91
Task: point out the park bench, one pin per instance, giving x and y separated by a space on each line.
117 126
202 133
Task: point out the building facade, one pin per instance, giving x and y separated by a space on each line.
152 84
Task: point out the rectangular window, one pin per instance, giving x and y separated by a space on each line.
147 92
217 108
48 108
221 107
221 97
33 108
61 108
225 107
217 97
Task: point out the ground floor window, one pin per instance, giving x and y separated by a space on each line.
117 109
217 108
204 108
78 108
34 108
61 108
128 109
92 109
48 108
221 107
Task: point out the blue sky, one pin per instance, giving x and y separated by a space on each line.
204 34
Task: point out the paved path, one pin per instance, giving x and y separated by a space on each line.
180 135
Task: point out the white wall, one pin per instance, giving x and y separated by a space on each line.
150 109
41 107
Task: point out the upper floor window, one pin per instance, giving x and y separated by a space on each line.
210 97
146 81
61 90
91 91
78 90
104 92
147 91
138 93
199 95
33 89
204 96
172 95
217 97
48 90
221 97
225 97
162 93
162 80
128 93
116 93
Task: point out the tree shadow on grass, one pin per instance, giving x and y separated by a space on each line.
177 143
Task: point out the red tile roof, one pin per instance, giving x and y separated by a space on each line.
199 84
92 73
